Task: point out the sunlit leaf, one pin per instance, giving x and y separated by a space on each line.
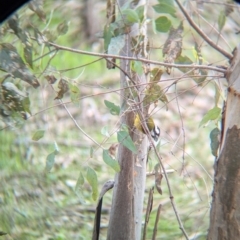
215 136
74 92
125 139
114 109
110 161
163 24
93 181
211 115
104 131
38 135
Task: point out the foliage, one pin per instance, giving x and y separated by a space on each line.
53 113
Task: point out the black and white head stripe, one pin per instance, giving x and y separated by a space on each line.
155 133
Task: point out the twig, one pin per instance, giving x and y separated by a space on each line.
183 130
153 173
202 34
156 222
75 122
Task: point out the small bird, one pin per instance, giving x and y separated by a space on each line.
154 130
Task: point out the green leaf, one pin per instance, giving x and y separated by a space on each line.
137 67
125 139
38 135
26 104
214 136
114 109
80 181
165 8
140 12
131 16
93 181
50 161
163 24
184 60
74 93
107 35
221 20
110 161
212 114
78 188
104 131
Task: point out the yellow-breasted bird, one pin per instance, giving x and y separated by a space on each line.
154 130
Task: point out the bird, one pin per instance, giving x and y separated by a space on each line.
153 129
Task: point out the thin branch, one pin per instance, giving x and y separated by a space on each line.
148 212
156 222
75 122
183 130
144 60
168 185
202 34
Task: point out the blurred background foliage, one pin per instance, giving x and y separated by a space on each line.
37 204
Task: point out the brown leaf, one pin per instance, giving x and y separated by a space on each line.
51 79
63 86
36 6
158 178
173 46
11 62
112 150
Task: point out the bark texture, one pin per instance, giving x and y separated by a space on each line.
225 210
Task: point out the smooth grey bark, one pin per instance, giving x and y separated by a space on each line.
127 205
225 210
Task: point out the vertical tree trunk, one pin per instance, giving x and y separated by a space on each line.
225 210
127 204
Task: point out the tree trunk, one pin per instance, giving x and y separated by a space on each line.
225 210
127 205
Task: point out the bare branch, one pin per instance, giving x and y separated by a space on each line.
144 60
202 34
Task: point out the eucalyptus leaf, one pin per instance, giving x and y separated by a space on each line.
211 115
93 181
125 139
38 135
110 161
